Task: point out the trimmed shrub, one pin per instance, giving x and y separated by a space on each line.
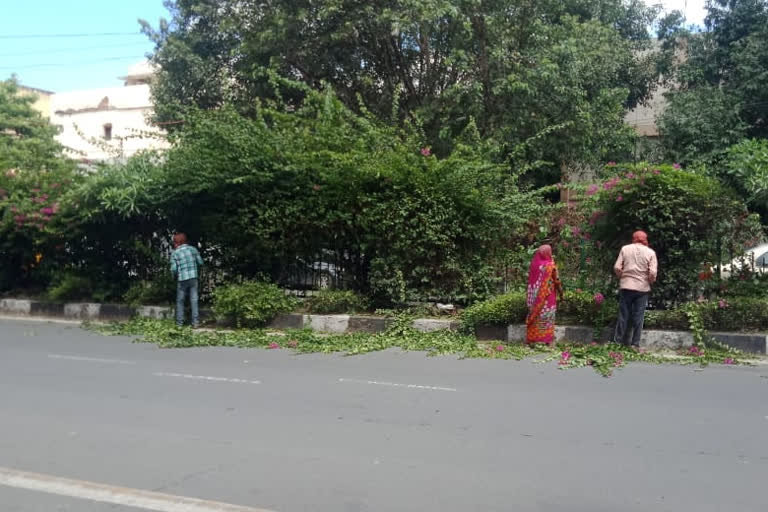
70 287
250 304
155 292
735 314
337 301
510 308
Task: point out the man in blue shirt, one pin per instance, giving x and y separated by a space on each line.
185 266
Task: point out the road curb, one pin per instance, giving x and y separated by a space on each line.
753 343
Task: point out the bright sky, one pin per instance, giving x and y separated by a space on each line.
694 10
66 63
89 61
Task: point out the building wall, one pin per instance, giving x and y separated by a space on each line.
643 117
83 117
43 102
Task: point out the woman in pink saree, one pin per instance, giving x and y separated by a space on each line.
543 289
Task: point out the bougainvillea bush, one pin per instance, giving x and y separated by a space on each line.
691 219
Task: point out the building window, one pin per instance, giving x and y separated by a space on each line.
108 131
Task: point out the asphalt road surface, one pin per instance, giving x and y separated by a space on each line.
90 423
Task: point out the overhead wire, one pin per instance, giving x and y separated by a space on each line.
79 49
57 36
70 64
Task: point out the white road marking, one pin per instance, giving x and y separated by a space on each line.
90 359
102 493
43 320
398 385
205 377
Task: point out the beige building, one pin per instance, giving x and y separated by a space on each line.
109 123
643 117
43 102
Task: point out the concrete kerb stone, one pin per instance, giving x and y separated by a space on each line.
82 311
16 306
328 323
434 324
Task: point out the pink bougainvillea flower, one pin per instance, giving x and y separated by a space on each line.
676 166
500 348
273 345
599 298
426 151
592 190
729 360
722 304
565 356
587 236
619 198
575 230
631 175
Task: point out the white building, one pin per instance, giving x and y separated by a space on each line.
109 123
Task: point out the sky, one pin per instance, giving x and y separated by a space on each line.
67 63
91 60
693 9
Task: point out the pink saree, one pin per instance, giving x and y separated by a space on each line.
543 284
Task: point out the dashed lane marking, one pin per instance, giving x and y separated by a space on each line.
205 377
398 385
90 359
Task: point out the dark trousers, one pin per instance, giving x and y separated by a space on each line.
184 288
632 306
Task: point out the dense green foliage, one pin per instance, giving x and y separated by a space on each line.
250 304
719 94
336 301
690 219
33 178
554 73
577 307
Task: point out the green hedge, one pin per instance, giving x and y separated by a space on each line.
251 303
337 301
576 307
733 314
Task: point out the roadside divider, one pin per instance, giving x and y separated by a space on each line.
753 343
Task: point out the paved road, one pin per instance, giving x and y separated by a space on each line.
388 431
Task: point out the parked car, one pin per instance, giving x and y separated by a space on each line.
753 260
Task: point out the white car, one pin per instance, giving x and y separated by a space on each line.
755 259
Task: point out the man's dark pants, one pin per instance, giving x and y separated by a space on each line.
632 306
184 288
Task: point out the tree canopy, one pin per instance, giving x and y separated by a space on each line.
719 95
26 137
556 75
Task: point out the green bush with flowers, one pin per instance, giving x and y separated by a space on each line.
690 220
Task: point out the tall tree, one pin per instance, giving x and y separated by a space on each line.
559 70
26 138
720 94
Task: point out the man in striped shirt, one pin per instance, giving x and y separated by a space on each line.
185 266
